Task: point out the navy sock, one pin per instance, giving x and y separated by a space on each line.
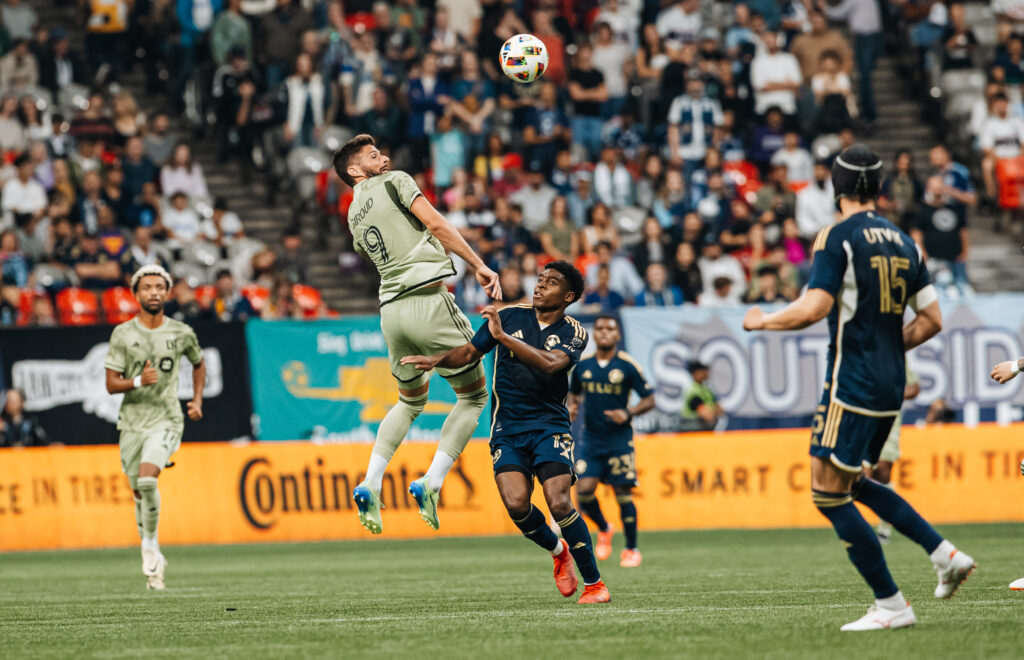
628 510
591 507
576 534
860 540
896 511
535 527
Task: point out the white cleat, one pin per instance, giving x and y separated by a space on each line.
880 618
884 531
1017 585
150 560
952 573
156 580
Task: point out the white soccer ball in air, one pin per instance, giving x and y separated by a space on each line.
524 58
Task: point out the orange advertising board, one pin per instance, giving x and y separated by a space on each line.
76 497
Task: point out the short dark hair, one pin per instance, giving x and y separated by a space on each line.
343 156
607 317
223 272
573 277
694 366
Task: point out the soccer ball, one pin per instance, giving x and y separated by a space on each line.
524 58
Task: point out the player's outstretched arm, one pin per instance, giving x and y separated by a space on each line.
459 356
808 309
453 241
1004 372
922 327
549 362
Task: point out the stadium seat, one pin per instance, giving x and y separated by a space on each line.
308 299
205 295
119 304
77 306
962 80
25 298
334 136
257 296
200 253
194 274
52 277
72 99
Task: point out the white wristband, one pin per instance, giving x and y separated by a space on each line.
137 382
1015 369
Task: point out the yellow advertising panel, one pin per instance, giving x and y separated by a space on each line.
76 497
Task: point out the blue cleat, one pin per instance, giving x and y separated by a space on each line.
426 500
369 506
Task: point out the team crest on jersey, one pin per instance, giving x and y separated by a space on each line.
616 376
581 466
551 342
172 344
496 456
587 374
576 342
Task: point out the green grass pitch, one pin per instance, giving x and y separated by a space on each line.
725 594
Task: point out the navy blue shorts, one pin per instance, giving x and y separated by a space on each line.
850 440
611 460
525 452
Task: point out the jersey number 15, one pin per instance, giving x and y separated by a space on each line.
892 288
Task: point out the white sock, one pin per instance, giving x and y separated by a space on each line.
439 468
893 602
375 471
558 548
942 554
150 543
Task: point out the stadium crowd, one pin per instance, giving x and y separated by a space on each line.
676 151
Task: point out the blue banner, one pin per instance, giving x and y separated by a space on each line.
331 381
766 379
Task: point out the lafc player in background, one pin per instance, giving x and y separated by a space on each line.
405 237
864 274
603 383
1004 372
142 363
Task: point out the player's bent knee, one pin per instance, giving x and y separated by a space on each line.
476 398
414 404
146 485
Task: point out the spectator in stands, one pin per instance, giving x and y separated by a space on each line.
657 291
613 183
306 104
473 103
512 286
159 143
1001 139
23 198
230 31
796 159
144 252
815 204
546 129
611 58
622 274
278 39
775 200
601 298
765 287
721 293
701 410
680 21
113 193
650 61
740 36
865 21
544 28
427 96
18 19
15 268
180 220
901 191
383 121
447 151
128 120
958 40
58 66
107 39
686 274
940 230
691 121
775 76
41 314
767 138
16 429
809 47
183 174
833 94
223 227
588 91
12 133
281 304
446 41
535 199
228 303
599 228
37 126
183 305
715 265
93 265
19 68
1011 62
558 237
398 43
655 246
137 167
292 258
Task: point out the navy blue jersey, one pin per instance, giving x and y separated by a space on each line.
523 398
607 388
874 271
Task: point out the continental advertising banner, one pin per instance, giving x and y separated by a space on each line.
61 372
331 380
69 497
775 378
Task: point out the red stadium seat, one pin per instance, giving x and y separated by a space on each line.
77 307
25 299
205 295
257 296
308 299
1010 175
119 304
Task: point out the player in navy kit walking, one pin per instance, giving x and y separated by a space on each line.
865 273
536 347
603 383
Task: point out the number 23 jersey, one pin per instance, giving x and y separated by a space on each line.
874 271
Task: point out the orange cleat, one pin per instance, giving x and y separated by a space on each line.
630 558
565 572
595 593
603 550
